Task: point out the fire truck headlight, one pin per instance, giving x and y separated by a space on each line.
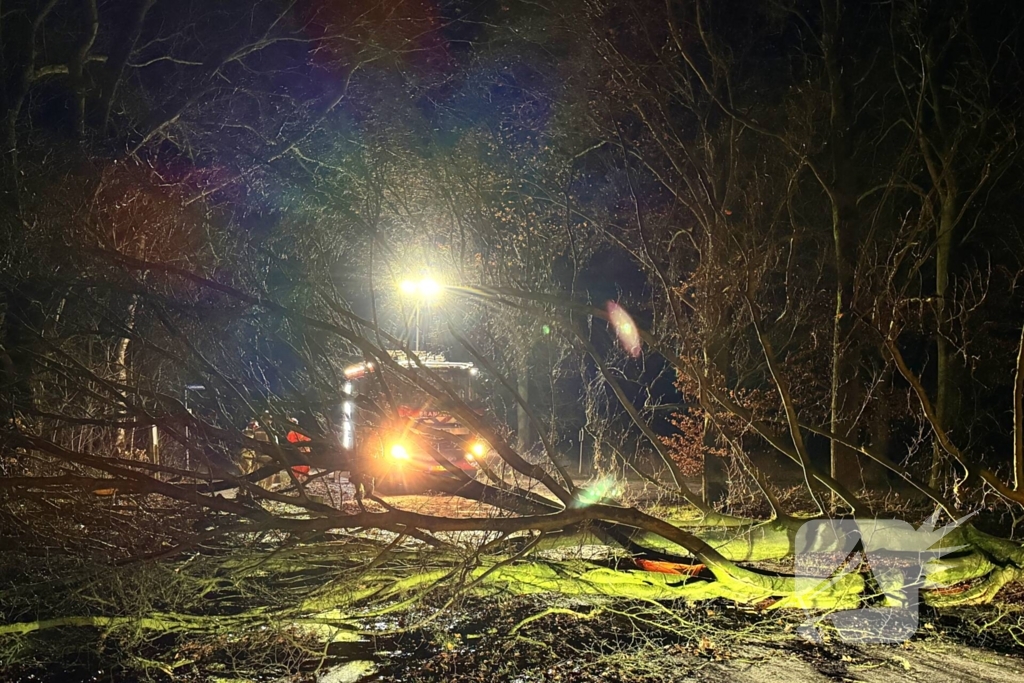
476 450
398 452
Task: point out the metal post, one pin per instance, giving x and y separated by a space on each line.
581 452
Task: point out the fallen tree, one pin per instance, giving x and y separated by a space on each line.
982 565
176 295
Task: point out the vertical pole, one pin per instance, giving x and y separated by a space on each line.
581 451
154 445
417 329
188 455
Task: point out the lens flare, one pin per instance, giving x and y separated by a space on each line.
625 329
598 491
398 452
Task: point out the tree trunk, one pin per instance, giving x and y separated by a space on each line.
524 436
946 372
118 58
76 68
121 367
844 462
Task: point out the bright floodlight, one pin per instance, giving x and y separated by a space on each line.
429 288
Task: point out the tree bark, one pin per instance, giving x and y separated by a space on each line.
524 432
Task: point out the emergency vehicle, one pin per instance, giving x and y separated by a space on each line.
402 444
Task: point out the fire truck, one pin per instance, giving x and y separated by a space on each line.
399 439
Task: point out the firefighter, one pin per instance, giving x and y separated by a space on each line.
295 437
258 430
